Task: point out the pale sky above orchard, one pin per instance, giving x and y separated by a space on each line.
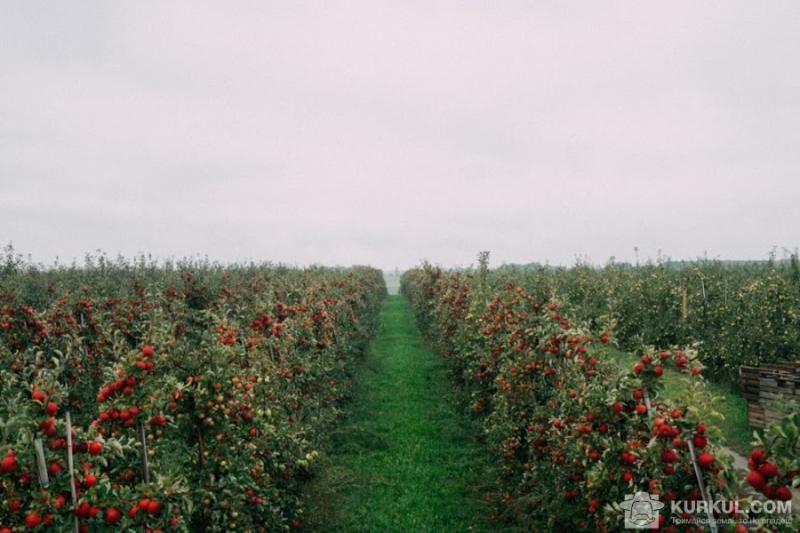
388 132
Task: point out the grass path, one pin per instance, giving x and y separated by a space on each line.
404 459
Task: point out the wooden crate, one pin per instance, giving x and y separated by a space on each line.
763 385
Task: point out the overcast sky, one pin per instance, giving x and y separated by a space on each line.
388 132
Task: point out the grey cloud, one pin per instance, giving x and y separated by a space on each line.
369 132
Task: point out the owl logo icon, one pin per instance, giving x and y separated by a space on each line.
641 510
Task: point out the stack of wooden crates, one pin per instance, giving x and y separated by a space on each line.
764 386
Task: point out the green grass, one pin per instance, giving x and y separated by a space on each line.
720 397
404 459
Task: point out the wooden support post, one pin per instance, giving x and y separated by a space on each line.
145 463
71 468
712 523
44 480
647 403
685 304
